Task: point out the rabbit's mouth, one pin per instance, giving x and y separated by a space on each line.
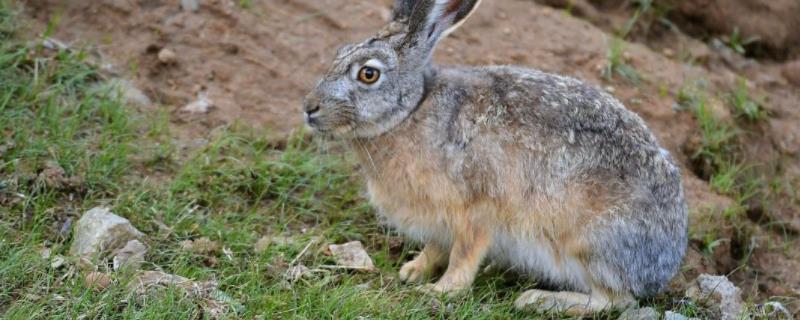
328 124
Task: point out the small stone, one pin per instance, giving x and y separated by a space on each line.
202 105
646 313
124 90
352 255
262 244
190 5
53 175
773 310
718 294
130 256
45 253
167 56
669 315
202 245
57 262
99 230
125 6
98 281
295 273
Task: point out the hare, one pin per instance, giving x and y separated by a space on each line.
541 173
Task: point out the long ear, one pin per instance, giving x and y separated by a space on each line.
402 9
431 20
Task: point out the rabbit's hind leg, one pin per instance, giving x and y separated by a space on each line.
570 303
425 264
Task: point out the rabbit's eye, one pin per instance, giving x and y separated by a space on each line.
369 75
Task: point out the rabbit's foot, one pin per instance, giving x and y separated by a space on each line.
443 289
424 265
415 271
570 303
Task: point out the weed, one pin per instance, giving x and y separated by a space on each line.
617 65
647 13
745 106
737 42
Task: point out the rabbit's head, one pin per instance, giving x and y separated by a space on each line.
373 85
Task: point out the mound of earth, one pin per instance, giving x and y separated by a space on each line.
254 64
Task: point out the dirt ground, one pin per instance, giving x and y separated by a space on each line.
256 62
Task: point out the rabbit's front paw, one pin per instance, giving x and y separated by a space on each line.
415 270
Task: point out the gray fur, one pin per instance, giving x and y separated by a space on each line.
562 132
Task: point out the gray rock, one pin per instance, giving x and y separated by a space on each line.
669 315
718 294
190 5
646 313
131 256
99 230
123 90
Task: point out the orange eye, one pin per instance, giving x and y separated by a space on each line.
369 75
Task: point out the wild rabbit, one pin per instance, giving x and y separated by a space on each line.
539 172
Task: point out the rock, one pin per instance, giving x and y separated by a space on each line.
202 245
123 90
45 253
262 244
57 262
167 56
190 5
202 105
98 281
773 310
53 175
131 256
124 6
295 273
646 313
99 230
669 315
352 255
791 71
718 294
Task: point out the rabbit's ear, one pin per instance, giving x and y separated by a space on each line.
402 9
431 20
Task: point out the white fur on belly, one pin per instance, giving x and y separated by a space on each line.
536 258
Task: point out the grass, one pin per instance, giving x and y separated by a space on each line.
717 135
645 14
236 189
744 106
616 64
737 42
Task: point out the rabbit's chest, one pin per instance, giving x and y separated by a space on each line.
414 197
